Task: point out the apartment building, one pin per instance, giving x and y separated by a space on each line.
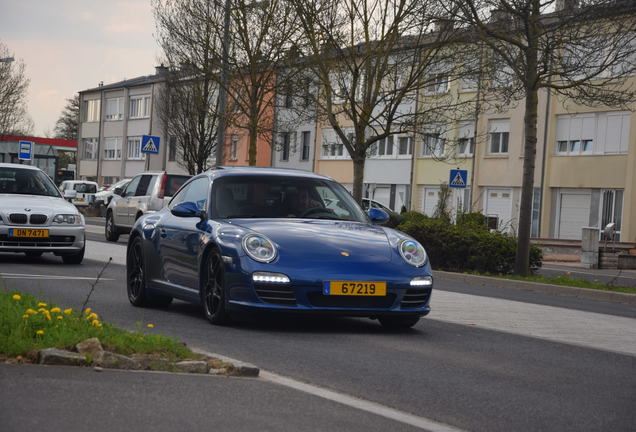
113 119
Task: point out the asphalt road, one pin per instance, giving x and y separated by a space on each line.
485 359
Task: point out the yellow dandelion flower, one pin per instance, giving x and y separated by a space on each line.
150 325
60 317
88 311
39 332
47 315
56 310
42 304
568 273
16 297
68 311
31 311
25 316
92 316
96 323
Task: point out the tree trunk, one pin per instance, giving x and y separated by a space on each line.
358 177
252 146
522 257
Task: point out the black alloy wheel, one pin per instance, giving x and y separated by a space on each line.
111 230
135 275
212 293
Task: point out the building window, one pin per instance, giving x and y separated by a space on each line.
466 139
91 110
434 144
306 146
89 148
139 107
172 149
499 132
284 154
234 147
385 146
405 145
288 97
611 212
596 133
112 149
115 108
134 148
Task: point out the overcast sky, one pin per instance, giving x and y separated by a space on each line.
72 45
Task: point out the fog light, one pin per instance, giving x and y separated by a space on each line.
422 281
270 277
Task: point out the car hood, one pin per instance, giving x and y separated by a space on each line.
12 203
323 240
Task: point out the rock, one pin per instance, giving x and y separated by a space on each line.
98 369
192 366
90 346
110 360
214 371
155 363
54 356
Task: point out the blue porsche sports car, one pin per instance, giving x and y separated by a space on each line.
276 240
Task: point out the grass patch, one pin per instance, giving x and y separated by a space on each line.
567 280
28 324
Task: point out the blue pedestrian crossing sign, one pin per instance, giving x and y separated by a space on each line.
26 150
150 144
458 178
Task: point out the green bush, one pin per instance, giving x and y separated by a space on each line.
467 246
473 220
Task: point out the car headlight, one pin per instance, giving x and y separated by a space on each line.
259 248
72 219
412 252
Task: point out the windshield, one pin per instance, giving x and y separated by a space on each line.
283 197
85 187
26 182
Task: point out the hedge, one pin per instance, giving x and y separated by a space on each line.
465 246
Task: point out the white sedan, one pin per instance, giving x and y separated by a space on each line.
34 218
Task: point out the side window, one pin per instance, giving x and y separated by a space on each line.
132 187
144 183
196 191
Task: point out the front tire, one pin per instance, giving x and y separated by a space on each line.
399 322
213 290
33 254
75 258
111 232
136 279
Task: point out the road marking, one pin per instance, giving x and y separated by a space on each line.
53 277
361 404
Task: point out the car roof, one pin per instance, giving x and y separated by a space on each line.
274 172
14 165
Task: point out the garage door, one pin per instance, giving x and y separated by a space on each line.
574 214
382 195
499 203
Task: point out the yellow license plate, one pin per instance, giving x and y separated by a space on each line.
79 200
28 232
354 288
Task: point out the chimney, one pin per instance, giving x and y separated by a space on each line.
101 84
161 69
500 15
562 5
443 25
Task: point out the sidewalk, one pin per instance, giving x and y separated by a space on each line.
576 270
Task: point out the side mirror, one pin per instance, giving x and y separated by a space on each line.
70 193
378 216
118 191
187 209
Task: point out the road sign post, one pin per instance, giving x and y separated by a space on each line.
25 151
458 178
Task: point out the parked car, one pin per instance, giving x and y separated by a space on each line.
104 196
145 193
35 218
263 239
79 192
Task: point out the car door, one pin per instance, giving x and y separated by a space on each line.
120 206
138 203
180 237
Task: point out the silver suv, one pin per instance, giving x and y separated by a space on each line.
146 193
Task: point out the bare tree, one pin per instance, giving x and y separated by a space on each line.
14 118
584 53
67 125
259 39
370 59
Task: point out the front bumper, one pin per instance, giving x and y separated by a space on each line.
61 239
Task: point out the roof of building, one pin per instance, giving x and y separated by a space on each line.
132 82
44 141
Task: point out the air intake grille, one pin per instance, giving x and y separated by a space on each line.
52 241
282 294
414 298
18 218
37 219
351 302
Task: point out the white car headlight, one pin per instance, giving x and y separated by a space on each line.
259 248
412 252
71 219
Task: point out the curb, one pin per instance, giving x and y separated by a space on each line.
586 293
239 368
